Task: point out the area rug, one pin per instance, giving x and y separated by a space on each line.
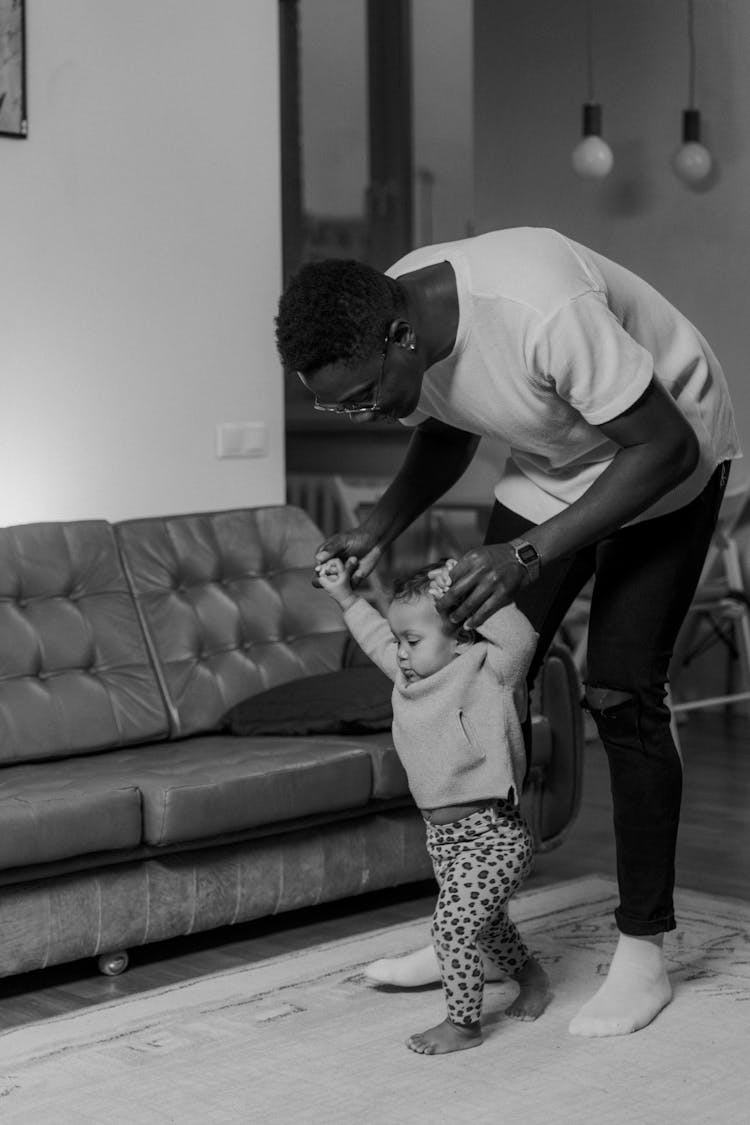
304 1038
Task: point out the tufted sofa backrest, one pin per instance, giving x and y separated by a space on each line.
75 673
227 604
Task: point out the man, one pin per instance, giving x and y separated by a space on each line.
621 431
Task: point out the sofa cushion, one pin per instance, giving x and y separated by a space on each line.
227 602
349 701
39 829
388 775
200 788
225 784
75 674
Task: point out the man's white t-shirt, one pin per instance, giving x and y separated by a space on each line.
553 340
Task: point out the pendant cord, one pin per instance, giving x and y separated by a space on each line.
590 51
691 54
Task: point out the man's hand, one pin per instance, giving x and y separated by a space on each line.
481 582
355 544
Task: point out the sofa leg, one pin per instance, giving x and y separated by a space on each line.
112 964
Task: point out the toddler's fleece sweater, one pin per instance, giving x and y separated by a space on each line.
458 731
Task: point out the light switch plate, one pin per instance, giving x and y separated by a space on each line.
241 439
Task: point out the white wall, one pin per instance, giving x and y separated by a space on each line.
530 83
140 260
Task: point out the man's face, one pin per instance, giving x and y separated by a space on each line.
388 382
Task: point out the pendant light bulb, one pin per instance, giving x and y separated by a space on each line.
692 161
592 157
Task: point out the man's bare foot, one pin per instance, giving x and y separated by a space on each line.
534 992
416 969
635 991
444 1038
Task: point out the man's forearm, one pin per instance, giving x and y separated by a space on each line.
434 462
636 479
658 450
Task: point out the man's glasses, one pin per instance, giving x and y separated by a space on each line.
352 408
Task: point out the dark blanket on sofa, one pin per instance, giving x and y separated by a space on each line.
352 700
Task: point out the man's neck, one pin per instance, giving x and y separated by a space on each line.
432 308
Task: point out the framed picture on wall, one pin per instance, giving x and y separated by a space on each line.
13 68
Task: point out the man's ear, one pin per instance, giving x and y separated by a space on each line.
402 333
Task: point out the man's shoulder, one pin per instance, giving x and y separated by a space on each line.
506 240
533 266
428 256
521 271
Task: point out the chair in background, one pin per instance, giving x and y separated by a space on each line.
574 630
719 615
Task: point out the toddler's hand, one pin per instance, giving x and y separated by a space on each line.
440 579
334 576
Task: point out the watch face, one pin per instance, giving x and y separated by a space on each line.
527 554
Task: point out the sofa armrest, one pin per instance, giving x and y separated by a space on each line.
559 778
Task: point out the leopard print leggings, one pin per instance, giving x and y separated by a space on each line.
479 861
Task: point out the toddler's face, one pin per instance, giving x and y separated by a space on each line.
424 646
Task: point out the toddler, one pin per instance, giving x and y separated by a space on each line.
459 698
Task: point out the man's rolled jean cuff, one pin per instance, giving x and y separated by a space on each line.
636 927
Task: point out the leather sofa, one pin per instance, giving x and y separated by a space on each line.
127 813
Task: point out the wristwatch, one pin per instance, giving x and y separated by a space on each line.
528 556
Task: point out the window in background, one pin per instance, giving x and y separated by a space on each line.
376 121
376 127
442 37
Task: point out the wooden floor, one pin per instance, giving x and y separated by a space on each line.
713 856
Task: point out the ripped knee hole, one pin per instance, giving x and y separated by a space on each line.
603 699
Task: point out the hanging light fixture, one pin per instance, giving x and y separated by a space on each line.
592 156
692 161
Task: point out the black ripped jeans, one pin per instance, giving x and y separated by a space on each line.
645 578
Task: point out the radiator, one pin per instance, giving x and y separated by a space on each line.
316 495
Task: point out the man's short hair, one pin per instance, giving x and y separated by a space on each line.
334 311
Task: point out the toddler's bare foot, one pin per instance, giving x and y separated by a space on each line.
635 991
534 992
414 970
444 1038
